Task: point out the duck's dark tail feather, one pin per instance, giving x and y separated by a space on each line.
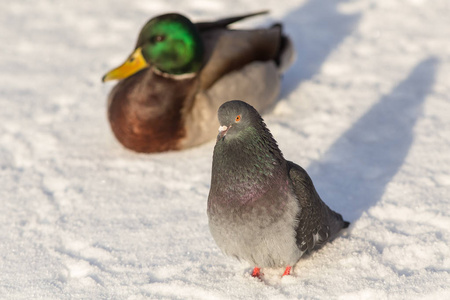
227 21
286 54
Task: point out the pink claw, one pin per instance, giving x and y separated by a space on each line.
287 271
256 272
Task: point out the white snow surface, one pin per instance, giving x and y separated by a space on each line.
365 109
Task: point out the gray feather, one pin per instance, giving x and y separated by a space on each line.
262 208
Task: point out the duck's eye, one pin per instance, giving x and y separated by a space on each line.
157 38
238 118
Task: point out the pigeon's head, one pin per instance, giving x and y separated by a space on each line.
235 118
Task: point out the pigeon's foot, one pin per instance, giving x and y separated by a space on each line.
256 273
287 271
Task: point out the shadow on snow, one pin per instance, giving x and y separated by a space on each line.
354 172
315 28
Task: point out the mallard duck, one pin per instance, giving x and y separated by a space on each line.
181 72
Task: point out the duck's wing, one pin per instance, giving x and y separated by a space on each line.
222 23
229 50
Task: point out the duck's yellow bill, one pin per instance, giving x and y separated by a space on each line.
133 64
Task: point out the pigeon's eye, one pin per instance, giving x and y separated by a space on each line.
238 118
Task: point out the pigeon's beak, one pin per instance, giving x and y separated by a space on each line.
223 131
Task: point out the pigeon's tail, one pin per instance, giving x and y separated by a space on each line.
336 223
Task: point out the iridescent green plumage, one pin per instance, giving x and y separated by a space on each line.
247 155
172 44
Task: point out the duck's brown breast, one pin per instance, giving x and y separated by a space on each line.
145 111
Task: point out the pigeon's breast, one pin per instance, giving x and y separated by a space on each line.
263 235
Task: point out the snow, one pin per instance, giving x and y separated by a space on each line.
365 109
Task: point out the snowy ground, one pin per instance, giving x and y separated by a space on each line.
365 109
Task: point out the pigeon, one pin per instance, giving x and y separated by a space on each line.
180 72
262 208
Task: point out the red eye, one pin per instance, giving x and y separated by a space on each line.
238 118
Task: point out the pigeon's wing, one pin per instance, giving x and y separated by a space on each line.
317 223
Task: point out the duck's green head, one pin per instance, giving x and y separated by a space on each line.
169 43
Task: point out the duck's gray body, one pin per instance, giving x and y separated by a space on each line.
240 64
